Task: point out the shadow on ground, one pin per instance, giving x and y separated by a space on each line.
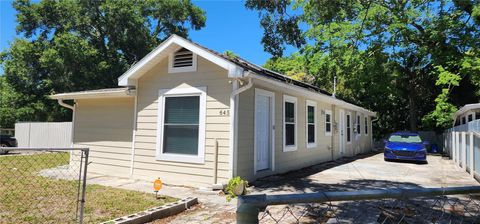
440 209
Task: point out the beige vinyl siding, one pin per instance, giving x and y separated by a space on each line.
105 126
146 166
284 161
303 156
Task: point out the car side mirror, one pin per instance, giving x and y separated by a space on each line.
385 141
426 143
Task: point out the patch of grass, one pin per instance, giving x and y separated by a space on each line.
26 197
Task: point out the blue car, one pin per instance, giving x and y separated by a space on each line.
405 146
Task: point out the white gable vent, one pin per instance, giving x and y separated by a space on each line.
182 60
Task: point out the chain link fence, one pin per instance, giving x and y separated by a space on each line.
43 185
425 205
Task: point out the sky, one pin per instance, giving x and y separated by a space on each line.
230 26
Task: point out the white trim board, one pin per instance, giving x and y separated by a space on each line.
328 133
290 99
192 91
313 104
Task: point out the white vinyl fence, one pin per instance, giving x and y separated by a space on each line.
462 144
44 134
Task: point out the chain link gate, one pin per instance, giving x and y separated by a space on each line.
43 185
422 205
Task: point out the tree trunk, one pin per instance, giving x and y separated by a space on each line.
412 110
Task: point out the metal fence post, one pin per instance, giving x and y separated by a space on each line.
248 208
84 185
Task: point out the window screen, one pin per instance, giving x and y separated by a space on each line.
311 124
366 125
358 124
328 122
181 125
349 129
289 123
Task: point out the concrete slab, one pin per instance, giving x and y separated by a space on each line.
357 173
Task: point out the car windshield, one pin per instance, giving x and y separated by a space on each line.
405 138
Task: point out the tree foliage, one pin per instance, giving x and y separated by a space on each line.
77 45
383 53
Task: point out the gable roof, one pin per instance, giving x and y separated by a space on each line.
170 45
237 67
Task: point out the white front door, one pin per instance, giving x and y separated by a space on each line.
341 131
263 129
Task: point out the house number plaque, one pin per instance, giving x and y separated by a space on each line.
224 112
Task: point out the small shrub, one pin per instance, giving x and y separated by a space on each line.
233 185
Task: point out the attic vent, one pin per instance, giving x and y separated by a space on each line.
183 60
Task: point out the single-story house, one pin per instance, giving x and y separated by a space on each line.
192 116
467 113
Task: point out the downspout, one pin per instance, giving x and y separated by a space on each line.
234 121
63 104
134 130
333 121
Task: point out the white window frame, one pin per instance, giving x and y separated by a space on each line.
290 99
349 124
365 128
328 133
310 103
180 92
172 69
358 125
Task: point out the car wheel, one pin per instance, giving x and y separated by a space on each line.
386 160
2 151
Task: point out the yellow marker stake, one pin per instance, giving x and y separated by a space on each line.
157 185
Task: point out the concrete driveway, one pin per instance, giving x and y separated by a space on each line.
367 172
357 173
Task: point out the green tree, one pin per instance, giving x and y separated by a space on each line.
348 39
78 45
441 116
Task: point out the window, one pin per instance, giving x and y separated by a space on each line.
349 128
411 138
464 120
366 125
311 118
358 125
289 123
470 117
477 115
328 123
181 124
182 60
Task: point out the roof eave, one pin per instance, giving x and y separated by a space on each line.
320 96
94 95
